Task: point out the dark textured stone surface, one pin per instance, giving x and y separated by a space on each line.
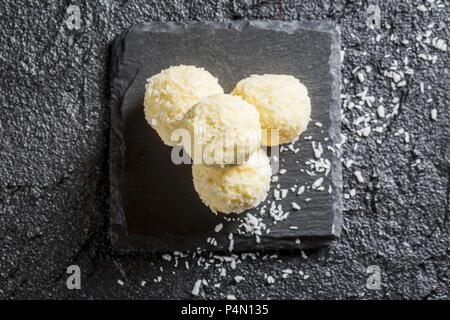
53 159
144 181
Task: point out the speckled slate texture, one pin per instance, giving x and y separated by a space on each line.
54 127
154 206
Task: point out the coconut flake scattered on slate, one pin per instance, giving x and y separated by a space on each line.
359 176
270 280
304 256
317 148
301 190
433 114
196 288
316 184
218 227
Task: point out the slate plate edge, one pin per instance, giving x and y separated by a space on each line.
120 238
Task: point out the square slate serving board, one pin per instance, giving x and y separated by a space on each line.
153 204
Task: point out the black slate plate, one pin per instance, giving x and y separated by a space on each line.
154 206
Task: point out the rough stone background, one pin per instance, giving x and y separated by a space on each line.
54 124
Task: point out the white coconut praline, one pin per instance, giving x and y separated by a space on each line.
234 189
282 102
171 93
223 129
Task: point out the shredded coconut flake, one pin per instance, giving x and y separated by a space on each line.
218 227
270 280
359 176
434 114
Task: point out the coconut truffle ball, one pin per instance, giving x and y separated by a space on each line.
234 188
282 102
171 93
223 129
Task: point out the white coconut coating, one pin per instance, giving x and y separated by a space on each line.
171 93
223 129
234 189
282 102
